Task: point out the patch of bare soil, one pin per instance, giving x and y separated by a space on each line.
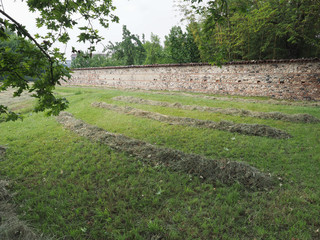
225 171
11 227
269 101
247 129
304 118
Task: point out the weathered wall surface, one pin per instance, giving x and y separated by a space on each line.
295 79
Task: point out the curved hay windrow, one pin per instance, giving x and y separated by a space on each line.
2 151
304 118
11 227
232 99
225 171
242 128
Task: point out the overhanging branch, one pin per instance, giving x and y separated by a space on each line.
27 34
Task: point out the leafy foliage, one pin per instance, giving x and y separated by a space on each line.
179 47
236 30
130 51
154 50
83 60
22 57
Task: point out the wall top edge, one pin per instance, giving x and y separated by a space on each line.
271 61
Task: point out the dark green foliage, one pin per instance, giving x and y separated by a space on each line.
21 61
130 51
22 57
236 30
180 46
154 50
175 45
193 53
83 60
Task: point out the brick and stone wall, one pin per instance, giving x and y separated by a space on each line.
283 79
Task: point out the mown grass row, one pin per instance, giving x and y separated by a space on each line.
72 188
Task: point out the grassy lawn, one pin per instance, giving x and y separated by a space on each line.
70 188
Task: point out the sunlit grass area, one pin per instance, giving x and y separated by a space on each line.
69 187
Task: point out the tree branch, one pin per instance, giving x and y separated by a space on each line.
27 34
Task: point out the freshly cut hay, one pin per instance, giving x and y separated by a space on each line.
247 129
304 118
2 152
212 170
230 99
4 194
11 227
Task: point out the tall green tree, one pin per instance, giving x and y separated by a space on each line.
35 56
83 60
257 29
191 46
129 51
175 45
154 50
180 46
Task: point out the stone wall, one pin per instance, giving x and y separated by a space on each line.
283 79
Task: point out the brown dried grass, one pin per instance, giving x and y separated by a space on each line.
304 118
224 170
11 227
242 128
232 99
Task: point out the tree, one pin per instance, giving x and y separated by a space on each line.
154 50
130 51
39 60
180 46
175 45
192 48
239 29
83 60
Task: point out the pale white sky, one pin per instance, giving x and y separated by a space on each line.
140 16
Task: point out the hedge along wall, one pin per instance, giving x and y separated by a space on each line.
283 79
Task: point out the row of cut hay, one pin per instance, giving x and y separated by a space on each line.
11 227
245 100
303 118
242 128
225 171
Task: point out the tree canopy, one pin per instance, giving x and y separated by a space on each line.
23 56
257 29
227 30
179 47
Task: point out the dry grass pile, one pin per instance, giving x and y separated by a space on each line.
7 99
304 118
211 170
2 151
11 227
269 101
247 129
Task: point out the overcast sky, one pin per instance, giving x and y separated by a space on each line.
140 16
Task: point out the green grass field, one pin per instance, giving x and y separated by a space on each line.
70 188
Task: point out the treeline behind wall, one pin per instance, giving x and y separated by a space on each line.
223 31
179 47
256 29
